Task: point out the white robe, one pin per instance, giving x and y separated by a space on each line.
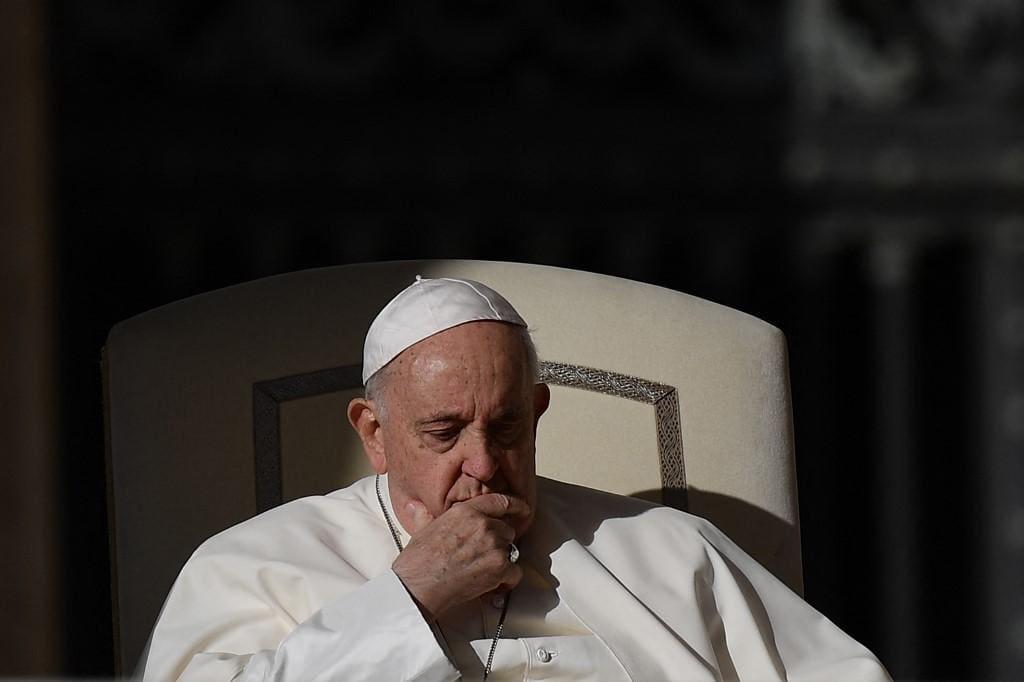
616 588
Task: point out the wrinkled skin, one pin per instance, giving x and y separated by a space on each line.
458 444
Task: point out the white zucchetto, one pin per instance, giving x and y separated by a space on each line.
426 307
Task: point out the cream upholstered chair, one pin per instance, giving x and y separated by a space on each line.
228 403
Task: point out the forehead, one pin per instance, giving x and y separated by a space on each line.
474 360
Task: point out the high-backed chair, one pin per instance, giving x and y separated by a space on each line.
228 403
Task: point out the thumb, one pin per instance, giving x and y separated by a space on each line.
418 515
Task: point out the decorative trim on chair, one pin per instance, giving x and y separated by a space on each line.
267 397
665 399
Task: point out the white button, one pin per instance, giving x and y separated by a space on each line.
543 655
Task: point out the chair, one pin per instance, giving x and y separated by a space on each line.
228 403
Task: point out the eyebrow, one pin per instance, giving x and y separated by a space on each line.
509 415
438 418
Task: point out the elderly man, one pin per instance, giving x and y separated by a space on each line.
456 560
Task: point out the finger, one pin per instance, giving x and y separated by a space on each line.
503 532
498 505
511 577
417 512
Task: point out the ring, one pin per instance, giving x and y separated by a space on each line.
513 553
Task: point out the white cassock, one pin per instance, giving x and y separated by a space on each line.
614 589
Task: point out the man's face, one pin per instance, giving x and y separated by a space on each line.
461 418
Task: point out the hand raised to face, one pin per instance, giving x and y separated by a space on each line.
463 553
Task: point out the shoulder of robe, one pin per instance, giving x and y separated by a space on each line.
314 519
559 496
575 505
628 535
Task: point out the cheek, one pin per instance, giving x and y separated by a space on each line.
521 471
522 458
432 475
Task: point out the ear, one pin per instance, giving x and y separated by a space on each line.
363 418
541 400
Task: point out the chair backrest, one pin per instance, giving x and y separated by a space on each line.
230 402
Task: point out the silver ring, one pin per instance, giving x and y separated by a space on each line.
513 553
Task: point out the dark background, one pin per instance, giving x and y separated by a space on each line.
848 170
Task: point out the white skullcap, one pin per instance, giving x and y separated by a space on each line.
426 307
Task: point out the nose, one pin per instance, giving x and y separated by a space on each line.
480 461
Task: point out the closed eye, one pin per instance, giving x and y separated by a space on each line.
441 439
447 434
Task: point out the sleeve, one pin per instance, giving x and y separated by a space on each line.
374 632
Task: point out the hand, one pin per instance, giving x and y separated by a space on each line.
461 554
